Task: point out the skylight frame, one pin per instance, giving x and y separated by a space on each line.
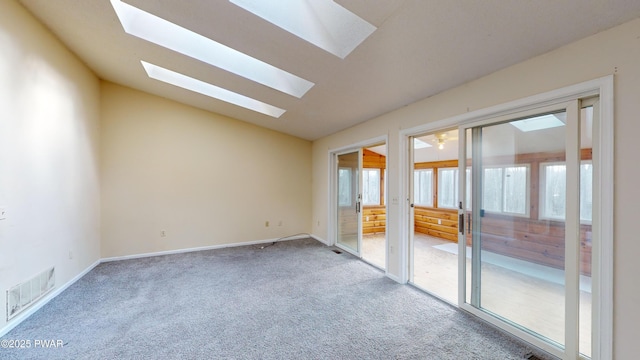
164 33
186 82
323 23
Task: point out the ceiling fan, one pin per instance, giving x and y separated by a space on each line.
441 138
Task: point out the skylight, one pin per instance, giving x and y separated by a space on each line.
189 83
419 144
323 23
540 122
149 27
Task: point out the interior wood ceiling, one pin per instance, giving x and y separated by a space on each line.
420 48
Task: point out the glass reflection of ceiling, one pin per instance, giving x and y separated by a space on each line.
189 83
161 32
323 23
419 144
540 122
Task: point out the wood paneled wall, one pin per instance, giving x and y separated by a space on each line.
441 223
373 160
374 219
540 241
531 239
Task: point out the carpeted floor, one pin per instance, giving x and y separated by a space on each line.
293 300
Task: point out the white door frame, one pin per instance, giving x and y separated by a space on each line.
333 191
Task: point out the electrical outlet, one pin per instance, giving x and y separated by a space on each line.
163 233
3 213
318 223
439 221
70 254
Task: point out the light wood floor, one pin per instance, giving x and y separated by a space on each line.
527 294
373 249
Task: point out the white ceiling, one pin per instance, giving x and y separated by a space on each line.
420 48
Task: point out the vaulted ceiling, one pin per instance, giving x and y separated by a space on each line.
420 48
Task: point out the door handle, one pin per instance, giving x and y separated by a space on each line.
461 224
358 207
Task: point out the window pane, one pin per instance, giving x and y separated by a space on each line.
423 187
468 193
554 197
344 187
515 190
586 191
416 186
448 188
492 190
371 187
554 203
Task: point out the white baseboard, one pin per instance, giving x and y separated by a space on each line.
202 248
318 238
38 305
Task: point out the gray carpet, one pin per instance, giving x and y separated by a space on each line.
293 300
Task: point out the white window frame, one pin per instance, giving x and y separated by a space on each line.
468 180
350 185
502 190
455 189
416 188
365 186
542 215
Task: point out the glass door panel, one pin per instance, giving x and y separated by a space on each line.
434 218
374 211
517 222
349 201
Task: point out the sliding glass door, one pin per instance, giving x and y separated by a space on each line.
526 223
349 226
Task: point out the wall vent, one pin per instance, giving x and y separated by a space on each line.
23 295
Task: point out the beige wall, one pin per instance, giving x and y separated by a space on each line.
49 169
203 178
616 51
